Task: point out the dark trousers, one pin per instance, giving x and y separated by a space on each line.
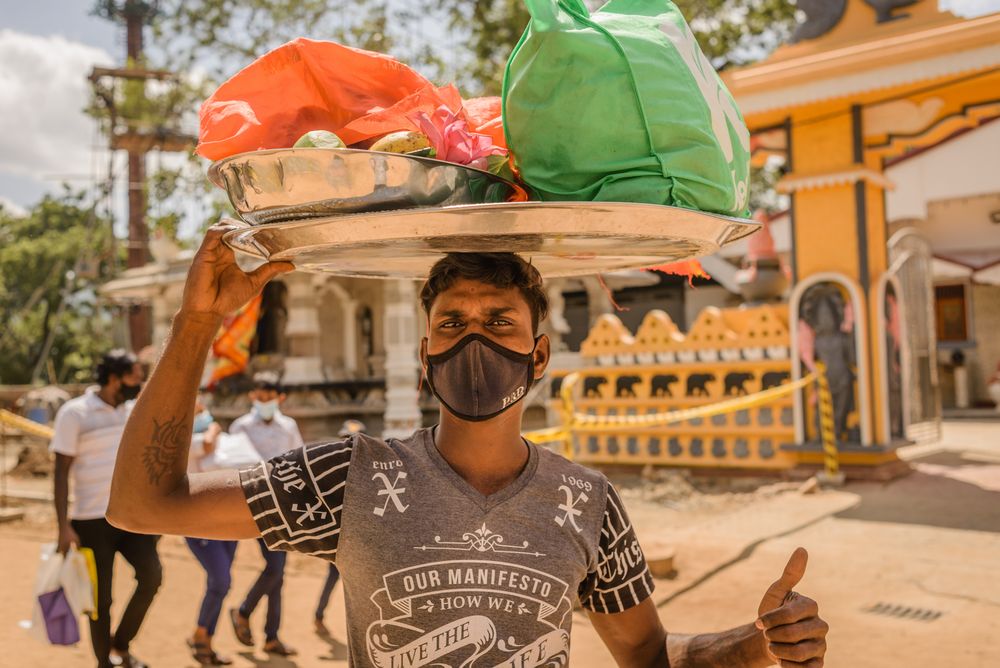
139 550
269 584
216 557
324 597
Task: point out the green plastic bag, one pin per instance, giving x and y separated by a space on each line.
623 106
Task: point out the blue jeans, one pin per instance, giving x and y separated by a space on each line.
216 557
324 597
268 584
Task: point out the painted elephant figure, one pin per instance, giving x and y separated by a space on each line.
625 387
661 385
697 384
735 383
592 386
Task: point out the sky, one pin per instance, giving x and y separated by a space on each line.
47 48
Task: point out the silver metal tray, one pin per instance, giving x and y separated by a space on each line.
560 238
301 183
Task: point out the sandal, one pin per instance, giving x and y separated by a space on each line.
279 648
127 661
206 656
241 628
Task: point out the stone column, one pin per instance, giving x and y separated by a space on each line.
349 324
302 363
598 300
402 360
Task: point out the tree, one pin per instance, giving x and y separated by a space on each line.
221 36
51 263
467 41
731 32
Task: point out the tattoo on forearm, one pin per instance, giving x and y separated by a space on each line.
166 446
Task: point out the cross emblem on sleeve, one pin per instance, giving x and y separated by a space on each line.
569 508
310 513
391 492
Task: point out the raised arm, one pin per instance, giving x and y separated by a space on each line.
788 632
151 491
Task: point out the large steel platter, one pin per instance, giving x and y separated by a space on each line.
283 185
560 238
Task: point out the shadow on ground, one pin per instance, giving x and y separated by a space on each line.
272 661
937 493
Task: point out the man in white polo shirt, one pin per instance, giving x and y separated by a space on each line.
271 433
88 430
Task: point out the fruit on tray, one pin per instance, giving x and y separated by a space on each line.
404 141
319 139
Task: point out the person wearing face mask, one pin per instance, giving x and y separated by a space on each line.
271 433
215 556
462 543
86 438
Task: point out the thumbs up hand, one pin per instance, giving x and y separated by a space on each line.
793 631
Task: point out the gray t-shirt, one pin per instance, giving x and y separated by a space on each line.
435 573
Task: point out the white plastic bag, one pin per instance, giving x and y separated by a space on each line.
232 451
74 576
48 579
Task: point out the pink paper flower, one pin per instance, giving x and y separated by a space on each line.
452 140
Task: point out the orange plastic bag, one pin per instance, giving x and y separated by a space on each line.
309 85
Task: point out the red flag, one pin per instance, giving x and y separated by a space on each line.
231 348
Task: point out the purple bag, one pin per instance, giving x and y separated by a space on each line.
60 623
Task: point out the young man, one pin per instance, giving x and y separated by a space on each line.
272 433
461 545
88 431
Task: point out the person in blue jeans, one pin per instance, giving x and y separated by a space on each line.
215 556
348 429
271 432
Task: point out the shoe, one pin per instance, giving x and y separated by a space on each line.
279 648
241 628
206 656
127 661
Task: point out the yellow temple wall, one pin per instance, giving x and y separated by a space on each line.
727 353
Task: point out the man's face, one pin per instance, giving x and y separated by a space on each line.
126 386
264 395
500 314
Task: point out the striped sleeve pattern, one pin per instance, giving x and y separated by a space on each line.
297 498
622 579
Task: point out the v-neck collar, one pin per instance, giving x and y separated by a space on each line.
482 500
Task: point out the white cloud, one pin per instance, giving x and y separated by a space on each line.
43 91
12 208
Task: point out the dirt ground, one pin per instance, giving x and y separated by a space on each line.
905 572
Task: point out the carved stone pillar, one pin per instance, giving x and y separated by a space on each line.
402 360
302 363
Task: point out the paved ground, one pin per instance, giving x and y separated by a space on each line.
929 543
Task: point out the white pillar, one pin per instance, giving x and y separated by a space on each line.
349 323
598 299
402 360
303 363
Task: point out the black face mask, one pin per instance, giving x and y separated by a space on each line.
477 379
130 392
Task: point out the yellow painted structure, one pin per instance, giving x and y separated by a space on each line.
727 354
837 109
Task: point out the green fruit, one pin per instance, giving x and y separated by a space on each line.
404 141
319 139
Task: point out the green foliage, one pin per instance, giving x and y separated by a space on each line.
737 32
224 35
51 262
